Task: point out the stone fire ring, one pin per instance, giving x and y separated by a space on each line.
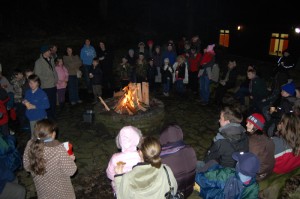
149 121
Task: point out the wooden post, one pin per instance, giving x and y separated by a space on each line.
139 92
145 90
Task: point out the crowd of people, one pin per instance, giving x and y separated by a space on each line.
244 151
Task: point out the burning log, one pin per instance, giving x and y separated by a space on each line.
104 104
130 101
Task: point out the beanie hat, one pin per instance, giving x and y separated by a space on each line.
257 120
149 42
44 49
247 163
210 48
289 88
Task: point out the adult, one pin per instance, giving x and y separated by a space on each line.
106 62
10 160
44 68
230 138
73 64
194 63
53 50
228 81
147 179
285 63
261 145
180 157
87 54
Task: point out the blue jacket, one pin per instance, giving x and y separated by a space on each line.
224 183
40 99
171 55
10 160
87 54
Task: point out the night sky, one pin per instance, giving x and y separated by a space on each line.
158 15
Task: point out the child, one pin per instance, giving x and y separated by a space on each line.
285 105
36 102
180 73
17 83
96 79
127 140
125 71
9 89
151 73
220 182
25 87
63 76
4 130
167 74
287 144
261 145
49 163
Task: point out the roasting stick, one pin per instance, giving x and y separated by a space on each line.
102 101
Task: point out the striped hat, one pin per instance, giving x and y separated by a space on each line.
257 120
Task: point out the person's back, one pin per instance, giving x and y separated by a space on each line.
181 158
49 163
127 140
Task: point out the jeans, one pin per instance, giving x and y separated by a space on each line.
179 86
204 88
61 94
241 94
73 88
86 70
166 86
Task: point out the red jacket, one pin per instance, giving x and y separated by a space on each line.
285 160
194 62
3 111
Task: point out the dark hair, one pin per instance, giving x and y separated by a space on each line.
43 130
96 59
34 78
17 71
233 114
28 70
151 149
251 71
290 131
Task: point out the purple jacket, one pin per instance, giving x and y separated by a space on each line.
180 157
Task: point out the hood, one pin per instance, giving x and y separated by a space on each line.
128 138
232 131
171 134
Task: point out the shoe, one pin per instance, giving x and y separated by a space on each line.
166 94
11 132
204 103
73 103
79 101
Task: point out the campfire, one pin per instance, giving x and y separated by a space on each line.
131 99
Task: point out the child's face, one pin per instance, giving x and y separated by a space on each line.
19 76
95 63
249 126
59 62
284 93
124 60
27 74
33 85
250 75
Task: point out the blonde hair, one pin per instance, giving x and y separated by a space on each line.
43 130
151 149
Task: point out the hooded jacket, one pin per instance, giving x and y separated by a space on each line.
180 157
46 72
144 182
127 140
231 138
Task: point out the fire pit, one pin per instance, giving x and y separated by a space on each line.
131 106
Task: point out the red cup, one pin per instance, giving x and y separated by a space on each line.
69 148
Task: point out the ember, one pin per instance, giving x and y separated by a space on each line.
132 98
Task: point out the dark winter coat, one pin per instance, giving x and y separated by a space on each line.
231 138
180 157
97 75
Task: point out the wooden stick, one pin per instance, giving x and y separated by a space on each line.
142 108
102 101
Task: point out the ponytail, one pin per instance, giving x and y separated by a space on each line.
151 151
36 157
